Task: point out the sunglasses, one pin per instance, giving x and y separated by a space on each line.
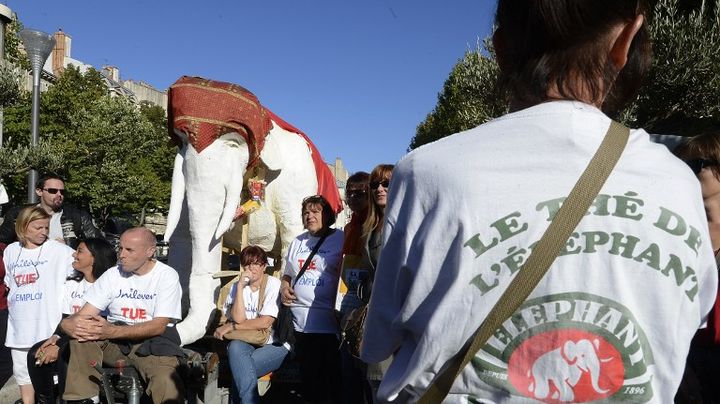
698 164
376 184
53 191
356 193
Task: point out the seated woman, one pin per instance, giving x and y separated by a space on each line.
245 309
92 258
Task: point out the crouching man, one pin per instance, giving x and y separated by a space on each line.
141 298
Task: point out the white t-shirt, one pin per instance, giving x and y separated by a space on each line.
316 290
73 299
133 299
251 299
35 278
613 317
56 232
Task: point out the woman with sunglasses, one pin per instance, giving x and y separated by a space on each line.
372 234
244 311
36 268
49 357
702 154
312 299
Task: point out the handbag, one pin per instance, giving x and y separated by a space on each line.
284 328
542 256
352 327
253 337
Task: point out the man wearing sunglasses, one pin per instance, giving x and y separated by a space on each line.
68 223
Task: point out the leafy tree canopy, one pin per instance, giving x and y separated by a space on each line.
115 155
681 94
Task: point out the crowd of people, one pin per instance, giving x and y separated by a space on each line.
431 247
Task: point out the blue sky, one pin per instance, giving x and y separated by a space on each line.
356 76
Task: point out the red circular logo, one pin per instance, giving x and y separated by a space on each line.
568 365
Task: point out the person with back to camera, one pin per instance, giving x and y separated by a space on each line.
702 154
36 268
312 299
245 311
49 357
613 316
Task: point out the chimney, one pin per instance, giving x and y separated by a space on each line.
60 51
112 72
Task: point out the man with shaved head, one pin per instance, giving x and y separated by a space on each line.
141 297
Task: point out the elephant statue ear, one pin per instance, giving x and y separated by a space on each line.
271 153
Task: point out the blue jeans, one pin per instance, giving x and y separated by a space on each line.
247 364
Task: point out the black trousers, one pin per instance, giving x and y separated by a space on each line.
319 360
5 359
42 377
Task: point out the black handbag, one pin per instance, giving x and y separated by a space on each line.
284 328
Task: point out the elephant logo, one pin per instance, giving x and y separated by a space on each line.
566 366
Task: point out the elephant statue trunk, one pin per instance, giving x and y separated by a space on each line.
210 184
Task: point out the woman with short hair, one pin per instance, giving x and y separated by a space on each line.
36 268
246 309
312 299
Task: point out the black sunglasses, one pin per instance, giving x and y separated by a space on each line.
54 191
356 193
698 164
376 184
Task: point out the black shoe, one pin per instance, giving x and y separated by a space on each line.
85 401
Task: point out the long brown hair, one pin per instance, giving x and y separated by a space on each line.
376 213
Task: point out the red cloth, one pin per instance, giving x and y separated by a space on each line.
353 243
711 334
327 186
207 109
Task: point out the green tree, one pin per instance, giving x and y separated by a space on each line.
120 162
470 97
115 155
681 94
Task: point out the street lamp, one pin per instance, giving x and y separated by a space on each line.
38 46
5 18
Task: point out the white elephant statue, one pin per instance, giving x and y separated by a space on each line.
563 367
225 136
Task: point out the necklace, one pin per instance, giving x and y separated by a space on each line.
34 264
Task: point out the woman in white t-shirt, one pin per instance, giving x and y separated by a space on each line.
245 311
49 357
36 269
312 300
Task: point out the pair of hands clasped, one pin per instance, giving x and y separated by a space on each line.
90 328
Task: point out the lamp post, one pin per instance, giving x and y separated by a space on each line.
38 46
5 18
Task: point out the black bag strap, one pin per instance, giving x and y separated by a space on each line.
542 256
314 251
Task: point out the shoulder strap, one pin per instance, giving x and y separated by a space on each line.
312 254
540 259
